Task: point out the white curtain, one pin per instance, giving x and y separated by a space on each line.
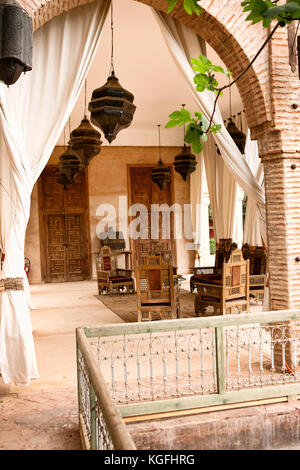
33 113
255 223
232 157
184 44
222 191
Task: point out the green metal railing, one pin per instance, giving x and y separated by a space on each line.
155 367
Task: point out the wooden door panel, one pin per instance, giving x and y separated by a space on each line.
63 213
56 259
52 194
75 251
144 191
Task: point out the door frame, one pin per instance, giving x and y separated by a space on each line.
43 229
172 195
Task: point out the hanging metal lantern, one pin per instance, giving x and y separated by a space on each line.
15 41
69 164
185 163
237 136
85 141
161 174
111 108
62 178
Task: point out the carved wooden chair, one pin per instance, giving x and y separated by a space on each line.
258 261
157 294
110 278
223 252
227 295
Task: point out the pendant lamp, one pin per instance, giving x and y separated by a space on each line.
15 41
111 106
69 164
238 136
185 162
68 167
85 140
62 178
161 174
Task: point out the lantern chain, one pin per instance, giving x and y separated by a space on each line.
159 149
112 70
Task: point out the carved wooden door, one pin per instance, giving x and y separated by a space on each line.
144 191
63 230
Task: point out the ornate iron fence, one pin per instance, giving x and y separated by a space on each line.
163 366
101 425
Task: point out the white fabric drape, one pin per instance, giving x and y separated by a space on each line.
33 113
222 191
255 225
184 44
232 157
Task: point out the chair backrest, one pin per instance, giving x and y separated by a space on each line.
155 281
235 276
257 258
153 248
107 260
223 252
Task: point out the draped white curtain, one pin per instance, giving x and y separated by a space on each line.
255 224
33 113
231 155
222 191
184 44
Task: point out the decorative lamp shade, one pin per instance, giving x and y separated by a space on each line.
185 163
238 137
85 141
161 175
69 164
111 108
62 178
15 41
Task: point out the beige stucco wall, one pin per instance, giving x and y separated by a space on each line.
107 180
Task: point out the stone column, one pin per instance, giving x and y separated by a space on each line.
282 189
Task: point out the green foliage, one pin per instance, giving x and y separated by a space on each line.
197 126
190 6
205 78
212 246
267 11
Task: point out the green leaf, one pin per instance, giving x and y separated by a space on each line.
172 4
173 123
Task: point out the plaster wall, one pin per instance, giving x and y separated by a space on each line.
107 180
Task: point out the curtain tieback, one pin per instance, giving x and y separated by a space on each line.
11 283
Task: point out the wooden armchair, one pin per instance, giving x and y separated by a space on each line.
224 249
154 248
258 260
110 279
157 294
227 295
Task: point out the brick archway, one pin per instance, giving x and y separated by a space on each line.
222 27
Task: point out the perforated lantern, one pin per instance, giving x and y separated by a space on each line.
69 164
237 136
111 108
185 162
161 175
15 41
85 141
62 178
